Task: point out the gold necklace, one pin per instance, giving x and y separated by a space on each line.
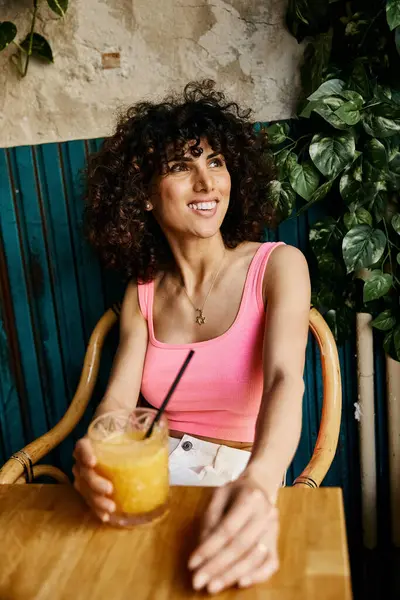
200 318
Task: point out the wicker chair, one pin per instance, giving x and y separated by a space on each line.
22 467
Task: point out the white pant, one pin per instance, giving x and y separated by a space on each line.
197 462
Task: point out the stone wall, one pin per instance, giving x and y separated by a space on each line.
111 53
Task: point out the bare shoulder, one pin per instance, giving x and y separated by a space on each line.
287 272
130 312
288 256
131 295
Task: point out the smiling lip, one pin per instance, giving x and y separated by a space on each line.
206 209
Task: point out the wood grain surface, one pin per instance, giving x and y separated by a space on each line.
52 548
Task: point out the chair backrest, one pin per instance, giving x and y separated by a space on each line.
20 468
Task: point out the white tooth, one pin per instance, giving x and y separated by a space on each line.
203 205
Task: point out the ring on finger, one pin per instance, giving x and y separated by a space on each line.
262 548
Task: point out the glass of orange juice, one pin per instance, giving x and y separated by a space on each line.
137 467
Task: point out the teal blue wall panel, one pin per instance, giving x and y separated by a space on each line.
55 288
53 291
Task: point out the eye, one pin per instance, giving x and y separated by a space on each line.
218 161
178 167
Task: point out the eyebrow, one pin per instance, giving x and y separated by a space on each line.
190 158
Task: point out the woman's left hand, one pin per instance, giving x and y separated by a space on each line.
239 538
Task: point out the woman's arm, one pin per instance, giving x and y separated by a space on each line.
239 542
287 295
126 375
122 392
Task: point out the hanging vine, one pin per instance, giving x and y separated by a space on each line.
343 150
33 45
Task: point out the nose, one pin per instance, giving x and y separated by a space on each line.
204 181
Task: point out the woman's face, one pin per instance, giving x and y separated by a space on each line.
192 197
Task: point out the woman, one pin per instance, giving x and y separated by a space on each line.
178 199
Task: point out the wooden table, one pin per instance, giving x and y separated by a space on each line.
51 547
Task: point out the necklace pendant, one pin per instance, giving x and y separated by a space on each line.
200 319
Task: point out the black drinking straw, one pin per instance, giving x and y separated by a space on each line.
170 392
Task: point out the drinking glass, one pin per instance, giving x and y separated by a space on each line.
137 467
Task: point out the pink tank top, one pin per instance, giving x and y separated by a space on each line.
220 393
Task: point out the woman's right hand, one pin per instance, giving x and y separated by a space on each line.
95 489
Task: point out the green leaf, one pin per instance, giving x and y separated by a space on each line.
392 145
358 170
328 88
327 108
393 13
378 206
377 285
396 341
280 162
282 198
374 175
382 92
388 110
291 161
375 151
362 247
8 31
360 192
308 109
377 126
331 154
318 195
359 216
396 223
58 6
40 47
398 258
350 189
304 179
277 133
348 113
384 321
325 236
356 98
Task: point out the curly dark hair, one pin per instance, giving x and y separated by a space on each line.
119 175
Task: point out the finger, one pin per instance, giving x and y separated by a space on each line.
247 564
240 512
98 503
84 453
98 484
103 505
246 540
263 572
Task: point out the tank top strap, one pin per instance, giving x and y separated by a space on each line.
145 296
255 278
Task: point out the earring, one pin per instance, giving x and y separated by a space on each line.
148 206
